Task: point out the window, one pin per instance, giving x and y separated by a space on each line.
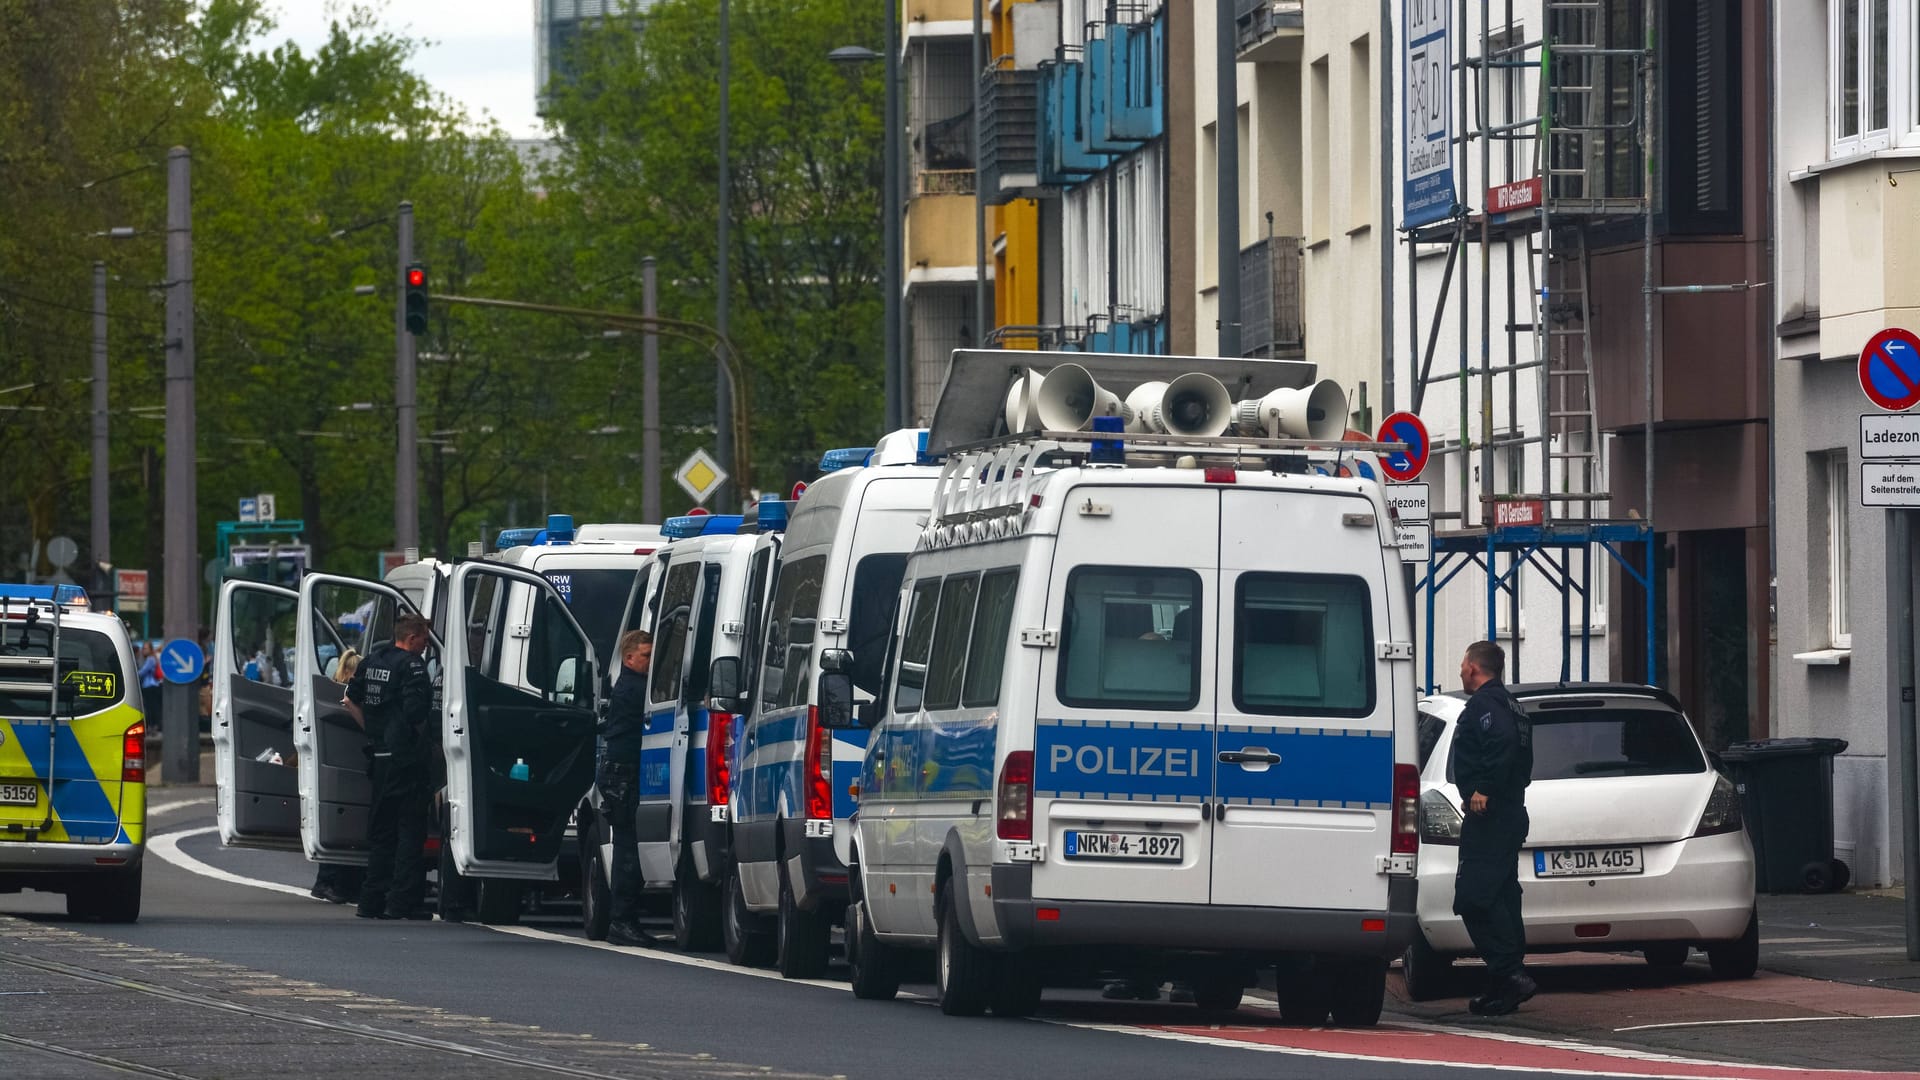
695 688
756 610
597 599
25 693
556 653
1858 66
876 587
671 631
790 630
1702 127
1130 639
262 626
1839 504
992 633
915 644
948 664
1571 743
1363 126
1429 728
1303 645
1320 180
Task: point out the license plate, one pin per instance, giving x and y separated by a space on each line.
20 794
1144 847
1587 862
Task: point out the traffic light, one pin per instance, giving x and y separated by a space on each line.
416 298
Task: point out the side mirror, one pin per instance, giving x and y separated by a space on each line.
836 699
837 661
723 683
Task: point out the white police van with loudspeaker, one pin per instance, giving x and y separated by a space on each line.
1149 701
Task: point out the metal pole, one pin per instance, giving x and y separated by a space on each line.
1647 114
895 361
102 535
406 465
1383 59
723 384
1226 141
1900 544
181 555
981 315
650 398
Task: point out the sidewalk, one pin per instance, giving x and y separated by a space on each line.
1852 937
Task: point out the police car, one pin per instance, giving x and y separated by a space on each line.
73 782
1148 705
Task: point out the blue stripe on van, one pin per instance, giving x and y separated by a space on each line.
655 767
659 722
958 759
1332 768
78 799
1123 760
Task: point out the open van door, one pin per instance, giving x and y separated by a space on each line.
519 758
335 614
257 799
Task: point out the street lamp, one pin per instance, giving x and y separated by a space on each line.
895 366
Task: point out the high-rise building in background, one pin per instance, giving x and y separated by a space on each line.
556 24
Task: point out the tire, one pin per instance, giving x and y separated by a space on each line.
1219 993
875 967
1670 954
962 972
800 937
1016 986
498 901
696 913
110 897
1817 877
1739 958
596 896
1428 974
743 933
1359 992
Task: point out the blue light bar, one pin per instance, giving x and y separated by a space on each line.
559 529
512 538
58 594
688 526
771 515
1108 451
844 458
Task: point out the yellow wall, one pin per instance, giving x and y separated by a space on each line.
940 232
1016 266
938 11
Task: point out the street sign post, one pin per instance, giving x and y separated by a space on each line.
130 590
700 476
1405 427
1889 369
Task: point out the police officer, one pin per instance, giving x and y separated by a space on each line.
1493 764
619 784
391 695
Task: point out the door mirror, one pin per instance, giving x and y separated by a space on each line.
837 661
836 699
723 683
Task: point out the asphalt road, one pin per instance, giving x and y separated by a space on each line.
227 976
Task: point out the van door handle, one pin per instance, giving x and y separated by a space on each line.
1252 756
1206 811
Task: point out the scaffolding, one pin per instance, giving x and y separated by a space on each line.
1582 161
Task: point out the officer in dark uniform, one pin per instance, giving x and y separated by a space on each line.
1492 760
619 784
392 697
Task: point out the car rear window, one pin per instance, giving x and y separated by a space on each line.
96 676
1612 742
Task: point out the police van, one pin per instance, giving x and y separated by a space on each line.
73 782
1148 707
694 599
839 566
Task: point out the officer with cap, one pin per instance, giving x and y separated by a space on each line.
391 696
1493 764
619 783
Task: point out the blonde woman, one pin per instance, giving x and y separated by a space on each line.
349 663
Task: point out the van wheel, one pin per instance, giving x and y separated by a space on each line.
1739 958
1016 986
696 913
1669 954
875 965
1219 993
743 932
1359 992
596 897
962 973
110 897
1427 973
800 938
499 901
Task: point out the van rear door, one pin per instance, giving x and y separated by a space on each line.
1124 734
1305 702
258 784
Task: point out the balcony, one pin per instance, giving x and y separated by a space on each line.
1272 298
1269 31
1009 135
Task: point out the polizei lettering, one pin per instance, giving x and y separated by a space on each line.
1125 760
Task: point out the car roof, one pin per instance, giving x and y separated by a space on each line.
1524 691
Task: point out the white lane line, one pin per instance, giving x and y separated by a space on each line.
1799 940
1764 1020
663 952
154 810
167 846
1857 950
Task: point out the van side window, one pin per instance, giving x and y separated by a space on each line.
876 586
790 630
695 689
556 654
950 631
756 609
1303 645
670 633
992 625
915 645
1129 639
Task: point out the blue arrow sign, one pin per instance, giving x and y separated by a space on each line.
181 661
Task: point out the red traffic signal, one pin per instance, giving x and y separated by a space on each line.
416 277
415 301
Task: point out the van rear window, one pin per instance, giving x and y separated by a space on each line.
1302 645
97 678
1129 639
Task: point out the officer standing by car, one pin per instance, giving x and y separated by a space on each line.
619 783
391 696
1493 764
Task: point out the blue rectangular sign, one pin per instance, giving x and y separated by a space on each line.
1427 188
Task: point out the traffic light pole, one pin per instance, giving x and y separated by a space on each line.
406 465
180 556
102 534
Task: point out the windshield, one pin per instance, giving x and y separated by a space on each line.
1612 742
597 598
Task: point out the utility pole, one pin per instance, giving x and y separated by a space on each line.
406 465
650 397
981 317
180 704
891 228
723 386
102 535
1226 170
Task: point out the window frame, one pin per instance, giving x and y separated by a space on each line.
977 649
1366 638
931 587
1839 557
1903 111
1067 629
670 633
961 589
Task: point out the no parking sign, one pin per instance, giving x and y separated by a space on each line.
1405 427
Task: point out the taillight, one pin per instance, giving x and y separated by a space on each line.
1722 814
133 755
1406 810
1439 821
819 768
1013 801
719 758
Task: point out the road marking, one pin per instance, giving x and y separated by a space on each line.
662 953
154 810
1857 950
1772 1020
167 846
1798 940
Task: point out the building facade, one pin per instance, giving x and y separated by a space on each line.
556 25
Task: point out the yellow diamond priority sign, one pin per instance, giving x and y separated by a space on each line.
700 475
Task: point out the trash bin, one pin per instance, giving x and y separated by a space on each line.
1786 797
